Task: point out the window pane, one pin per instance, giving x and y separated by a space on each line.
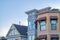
29 24
53 21
33 26
42 25
53 24
29 37
42 22
42 39
54 39
53 27
33 37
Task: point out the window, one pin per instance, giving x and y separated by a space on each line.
33 25
16 39
43 39
54 39
53 24
33 37
29 24
16 32
12 32
42 25
29 37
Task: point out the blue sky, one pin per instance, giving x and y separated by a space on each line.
13 11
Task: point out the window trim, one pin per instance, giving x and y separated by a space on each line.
43 25
53 24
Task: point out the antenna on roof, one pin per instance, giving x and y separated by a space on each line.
19 23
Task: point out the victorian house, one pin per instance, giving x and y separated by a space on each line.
44 24
17 32
48 25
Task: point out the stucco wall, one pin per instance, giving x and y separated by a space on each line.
48 25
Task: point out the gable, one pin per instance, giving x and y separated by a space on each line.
13 31
21 29
17 30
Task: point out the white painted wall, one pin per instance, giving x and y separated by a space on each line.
13 31
14 34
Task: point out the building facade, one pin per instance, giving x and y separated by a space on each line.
32 27
32 15
17 32
48 25
43 24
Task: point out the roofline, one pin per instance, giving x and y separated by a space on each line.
35 10
45 9
49 11
20 25
30 11
10 30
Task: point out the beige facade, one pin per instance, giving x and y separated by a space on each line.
48 30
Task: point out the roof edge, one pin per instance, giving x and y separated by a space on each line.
30 11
